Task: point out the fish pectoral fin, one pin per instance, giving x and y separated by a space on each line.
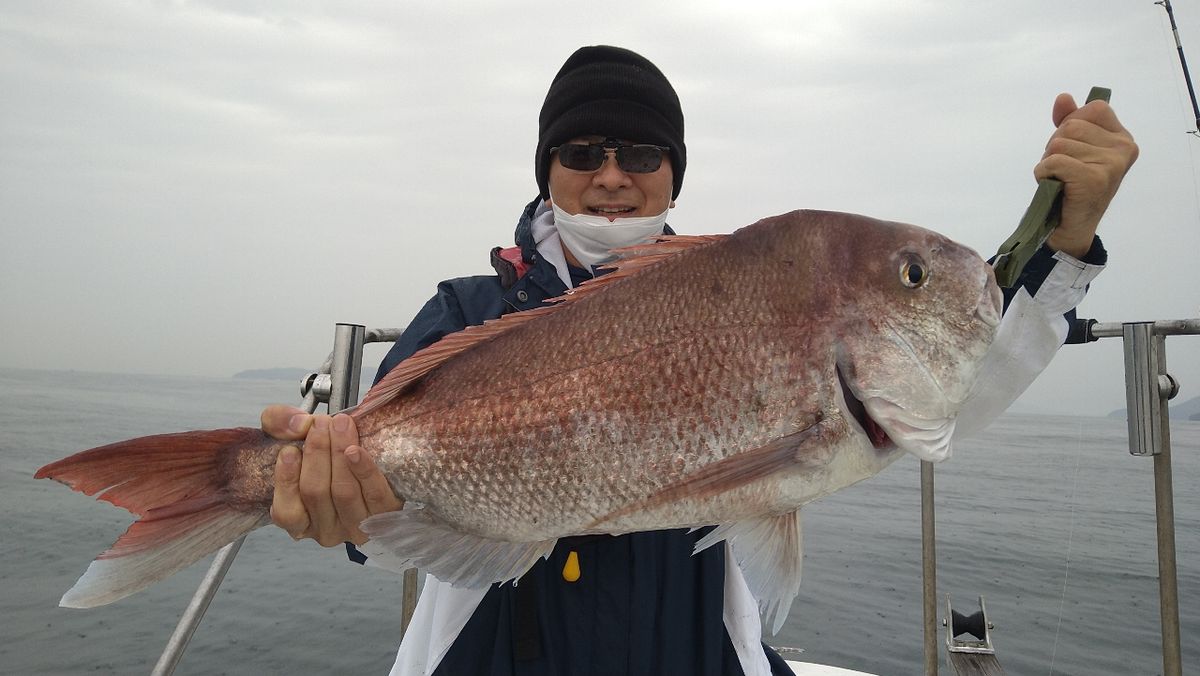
739 469
412 538
769 552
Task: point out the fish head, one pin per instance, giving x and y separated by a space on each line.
921 313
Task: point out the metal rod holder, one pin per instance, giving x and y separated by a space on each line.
1147 387
344 372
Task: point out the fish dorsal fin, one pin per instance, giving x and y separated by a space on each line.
425 360
632 260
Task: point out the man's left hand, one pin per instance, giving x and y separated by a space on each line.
1090 152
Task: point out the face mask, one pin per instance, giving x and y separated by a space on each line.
592 238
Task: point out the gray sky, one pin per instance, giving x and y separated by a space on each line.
206 187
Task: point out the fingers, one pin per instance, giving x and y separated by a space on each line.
1096 140
347 495
285 422
1097 112
1090 152
376 491
315 483
325 491
287 510
1062 166
1064 105
1088 141
359 488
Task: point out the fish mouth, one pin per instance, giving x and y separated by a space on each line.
854 406
927 438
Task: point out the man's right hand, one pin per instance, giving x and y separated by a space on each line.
325 491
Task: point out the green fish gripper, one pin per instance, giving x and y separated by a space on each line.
1039 221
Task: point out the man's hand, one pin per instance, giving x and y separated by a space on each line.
1090 153
325 491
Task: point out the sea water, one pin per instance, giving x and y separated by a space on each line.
1049 518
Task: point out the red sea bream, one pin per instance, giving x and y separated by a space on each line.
724 379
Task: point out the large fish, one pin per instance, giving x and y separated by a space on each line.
724 379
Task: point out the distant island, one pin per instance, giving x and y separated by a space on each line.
273 374
1185 410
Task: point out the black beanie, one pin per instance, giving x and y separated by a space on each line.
612 92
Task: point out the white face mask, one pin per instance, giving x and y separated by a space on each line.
592 238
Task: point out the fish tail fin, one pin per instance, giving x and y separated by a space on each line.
193 492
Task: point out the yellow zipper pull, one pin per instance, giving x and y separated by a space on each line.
571 567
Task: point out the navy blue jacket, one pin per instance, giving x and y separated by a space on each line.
643 604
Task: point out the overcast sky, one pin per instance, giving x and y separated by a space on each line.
206 187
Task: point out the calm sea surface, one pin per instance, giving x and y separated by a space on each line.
1049 518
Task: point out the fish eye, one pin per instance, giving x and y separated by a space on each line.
913 272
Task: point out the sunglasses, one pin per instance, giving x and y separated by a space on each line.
637 158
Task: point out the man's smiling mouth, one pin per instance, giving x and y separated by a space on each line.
612 212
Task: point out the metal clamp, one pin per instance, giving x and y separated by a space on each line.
1148 387
319 385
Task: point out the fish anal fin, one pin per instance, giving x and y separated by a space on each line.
412 538
631 261
739 469
770 552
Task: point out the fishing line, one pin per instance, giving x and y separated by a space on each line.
1070 538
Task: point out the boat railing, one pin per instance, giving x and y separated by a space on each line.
335 383
1148 388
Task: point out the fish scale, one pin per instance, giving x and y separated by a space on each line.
716 380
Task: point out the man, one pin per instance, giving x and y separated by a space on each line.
609 162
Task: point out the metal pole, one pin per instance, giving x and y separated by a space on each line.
1148 387
1162 327
346 366
1168 587
408 600
190 620
344 373
1164 510
928 569
196 609
347 357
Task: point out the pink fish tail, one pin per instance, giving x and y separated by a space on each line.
193 492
